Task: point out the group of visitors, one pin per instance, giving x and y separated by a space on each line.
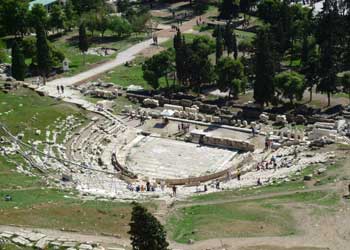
272 164
199 21
60 89
148 187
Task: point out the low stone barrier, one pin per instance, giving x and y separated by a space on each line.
205 178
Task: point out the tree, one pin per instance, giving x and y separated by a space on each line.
269 11
139 22
219 43
230 40
345 81
198 64
264 67
83 40
18 65
245 46
102 23
180 57
200 6
123 5
228 9
38 16
90 21
328 36
156 67
145 231
230 76
310 63
245 6
57 18
13 16
119 26
43 53
70 15
84 6
290 85
3 54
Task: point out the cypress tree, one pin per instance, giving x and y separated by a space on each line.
83 41
264 67
18 62
146 232
179 46
230 40
219 43
43 53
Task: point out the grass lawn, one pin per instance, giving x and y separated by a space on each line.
51 208
70 49
229 220
25 111
245 35
10 179
125 75
260 217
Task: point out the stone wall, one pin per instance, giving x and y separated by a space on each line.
228 142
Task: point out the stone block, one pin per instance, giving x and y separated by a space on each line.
42 243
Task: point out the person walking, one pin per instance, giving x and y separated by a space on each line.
174 191
58 89
62 89
238 174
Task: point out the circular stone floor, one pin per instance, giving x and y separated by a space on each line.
164 158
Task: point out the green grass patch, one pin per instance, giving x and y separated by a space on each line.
244 219
76 58
10 179
55 209
131 75
25 111
245 35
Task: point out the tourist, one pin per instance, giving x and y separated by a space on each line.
62 89
259 182
148 186
142 188
253 131
174 191
162 185
238 175
273 159
217 184
58 89
205 188
154 187
137 189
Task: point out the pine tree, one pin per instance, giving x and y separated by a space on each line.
146 232
264 67
219 43
18 62
43 53
83 41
